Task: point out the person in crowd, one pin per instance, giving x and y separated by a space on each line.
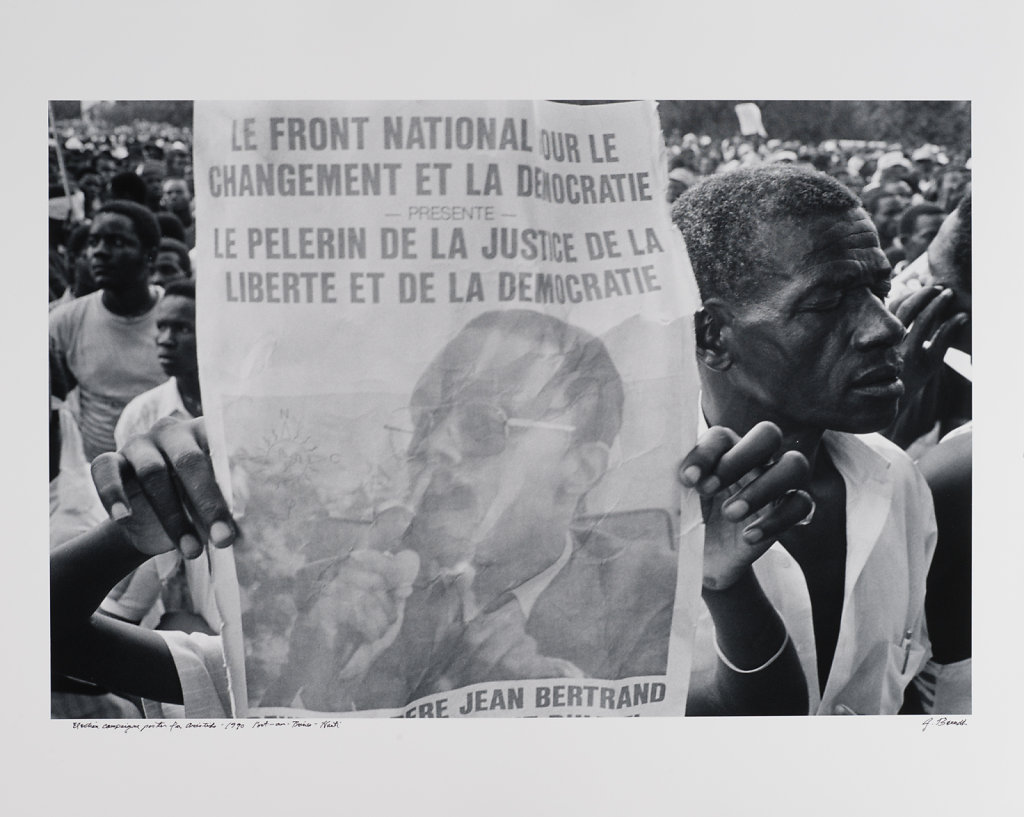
918 226
794 330
177 161
104 340
943 686
75 509
170 226
172 263
91 186
953 182
127 186
152 172
165 591
937 373
106 167
177 199
885 206
520 466
82 282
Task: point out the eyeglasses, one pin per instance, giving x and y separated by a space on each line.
477 429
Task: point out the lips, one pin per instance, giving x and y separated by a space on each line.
882 380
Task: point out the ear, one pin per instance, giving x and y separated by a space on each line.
583 466
713 327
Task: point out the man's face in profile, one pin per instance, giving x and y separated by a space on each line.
818 348
491 436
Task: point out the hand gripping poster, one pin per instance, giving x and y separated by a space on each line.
448 373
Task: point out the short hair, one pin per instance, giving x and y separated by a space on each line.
186 289
170 225
724 221
586 377
126 185
179 249
146 226
908 221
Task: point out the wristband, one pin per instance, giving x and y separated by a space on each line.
765 665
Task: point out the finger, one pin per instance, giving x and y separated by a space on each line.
153 476
186 448
700 462
926 322
945 335
792 510
109 472
910 307
754 450
790 472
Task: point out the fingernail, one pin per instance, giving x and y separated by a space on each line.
221 533
736 510
753 535
690 475
710 485
190 546
120 511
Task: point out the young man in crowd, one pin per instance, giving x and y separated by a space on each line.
103 341
794 329
177 199
172 263
182 591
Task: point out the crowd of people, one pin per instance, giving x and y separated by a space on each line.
833 347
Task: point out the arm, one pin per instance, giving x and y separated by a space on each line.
758 671
139 487
87 645
750 634
947 469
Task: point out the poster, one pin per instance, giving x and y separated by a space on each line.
448 374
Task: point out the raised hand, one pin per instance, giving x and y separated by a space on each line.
160 488
932 324
749 494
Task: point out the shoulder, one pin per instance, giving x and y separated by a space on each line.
74 310
142 411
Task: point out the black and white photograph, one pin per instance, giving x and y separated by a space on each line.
438 395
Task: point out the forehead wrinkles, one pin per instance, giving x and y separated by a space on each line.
851 241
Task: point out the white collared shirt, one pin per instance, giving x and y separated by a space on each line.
890 539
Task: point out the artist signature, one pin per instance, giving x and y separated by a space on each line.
942 722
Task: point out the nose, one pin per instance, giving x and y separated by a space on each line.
877 327
164 337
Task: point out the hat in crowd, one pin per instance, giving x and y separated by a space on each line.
783 156
892 159
119 153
